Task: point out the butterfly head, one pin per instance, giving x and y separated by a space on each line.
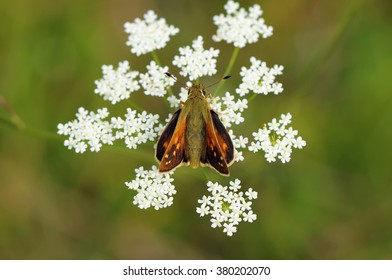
197 90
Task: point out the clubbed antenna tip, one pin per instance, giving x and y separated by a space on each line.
224 78
170 76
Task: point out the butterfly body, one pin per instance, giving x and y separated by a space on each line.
195 136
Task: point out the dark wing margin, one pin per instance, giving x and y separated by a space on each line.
167 133
224 139
174 154
214 156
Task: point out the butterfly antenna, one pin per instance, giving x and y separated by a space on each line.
170 75
224 78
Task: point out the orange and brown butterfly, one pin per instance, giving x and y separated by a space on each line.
195 136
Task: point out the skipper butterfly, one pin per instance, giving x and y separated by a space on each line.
195 136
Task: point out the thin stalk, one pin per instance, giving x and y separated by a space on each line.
252 97
170 91
156 58
141 153
230 66
134 106
43 134
232 61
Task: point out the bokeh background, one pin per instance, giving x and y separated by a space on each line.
332 201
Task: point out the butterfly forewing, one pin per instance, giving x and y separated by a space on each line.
223 138
215 156
174 153
167 133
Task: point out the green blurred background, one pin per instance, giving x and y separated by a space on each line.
332 201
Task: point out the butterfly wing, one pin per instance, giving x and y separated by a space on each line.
223 138
219 152
171 145
167 133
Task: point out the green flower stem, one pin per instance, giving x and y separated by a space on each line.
44 134
232 61
13 120
9 123
252 97
206 176
134 106
39 133
139 153
156 58
229 68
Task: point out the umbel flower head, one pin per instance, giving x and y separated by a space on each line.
149 34
260 79
240 27
154 82
153 188
196 62
117 85
277 140
226 206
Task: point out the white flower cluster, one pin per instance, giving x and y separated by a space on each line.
259 78
276 140
239 142
117 85
137 128
155 82
239 26
227 206
149 34
197 62
153 188
91 129
88 129
175 100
